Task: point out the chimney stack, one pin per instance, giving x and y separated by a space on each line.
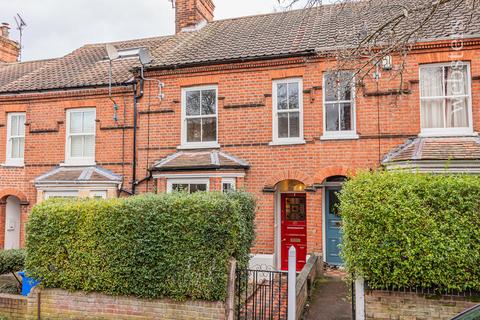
9 49
5 30
190 15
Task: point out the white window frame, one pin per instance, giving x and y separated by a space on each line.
171 182
460 131
230 181
286 141
98 194
15 162
82 161
197 145
60 194
341 134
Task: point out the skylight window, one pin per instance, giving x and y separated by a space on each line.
128 53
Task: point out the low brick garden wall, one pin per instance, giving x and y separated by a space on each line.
313 269
405 305
55 304
12 306
60 304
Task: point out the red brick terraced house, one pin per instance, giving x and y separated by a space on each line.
247 103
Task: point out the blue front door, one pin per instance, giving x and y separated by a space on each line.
333 223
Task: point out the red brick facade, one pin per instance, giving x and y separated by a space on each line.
384 120
45 140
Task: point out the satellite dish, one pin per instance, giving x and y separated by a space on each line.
111 51
144 56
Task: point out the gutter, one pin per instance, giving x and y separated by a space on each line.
33 91
305 53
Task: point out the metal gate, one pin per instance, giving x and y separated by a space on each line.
261 295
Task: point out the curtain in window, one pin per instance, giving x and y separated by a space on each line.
444 92
456 87
431 87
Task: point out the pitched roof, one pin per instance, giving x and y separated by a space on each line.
10 72
308 31
78 175
448 148
86 66
199 160
297 32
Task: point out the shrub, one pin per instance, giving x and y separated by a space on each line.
413 230
12 260
170 245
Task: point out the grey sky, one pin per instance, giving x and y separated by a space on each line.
56 27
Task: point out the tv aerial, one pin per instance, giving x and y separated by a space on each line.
21 24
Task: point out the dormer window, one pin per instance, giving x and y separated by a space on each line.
445 99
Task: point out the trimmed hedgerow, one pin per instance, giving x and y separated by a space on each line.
12 260
171 245
413 230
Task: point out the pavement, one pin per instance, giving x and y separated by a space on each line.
331 298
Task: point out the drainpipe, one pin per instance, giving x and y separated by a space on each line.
136 97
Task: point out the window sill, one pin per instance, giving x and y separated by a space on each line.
286 142
448 133
213 145
13 164
85 163
350 136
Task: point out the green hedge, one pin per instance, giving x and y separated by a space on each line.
171 245
413 230
12 260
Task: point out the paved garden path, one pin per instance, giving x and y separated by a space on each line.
330 299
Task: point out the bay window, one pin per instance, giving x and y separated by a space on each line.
188 185
339 106
228 184
15 139
445 99
80 145
199 117
288 111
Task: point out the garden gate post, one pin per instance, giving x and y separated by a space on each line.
359 299
292 281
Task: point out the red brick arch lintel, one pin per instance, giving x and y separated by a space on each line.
5 193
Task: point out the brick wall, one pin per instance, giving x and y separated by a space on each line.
381 305
45 135
9 50
246 130
305 279
190 12
60 304
12 306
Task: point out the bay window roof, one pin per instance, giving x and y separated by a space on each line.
78 176
437 155
199 160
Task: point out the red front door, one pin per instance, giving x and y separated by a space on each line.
294 227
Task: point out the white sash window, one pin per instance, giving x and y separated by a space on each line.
445 99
